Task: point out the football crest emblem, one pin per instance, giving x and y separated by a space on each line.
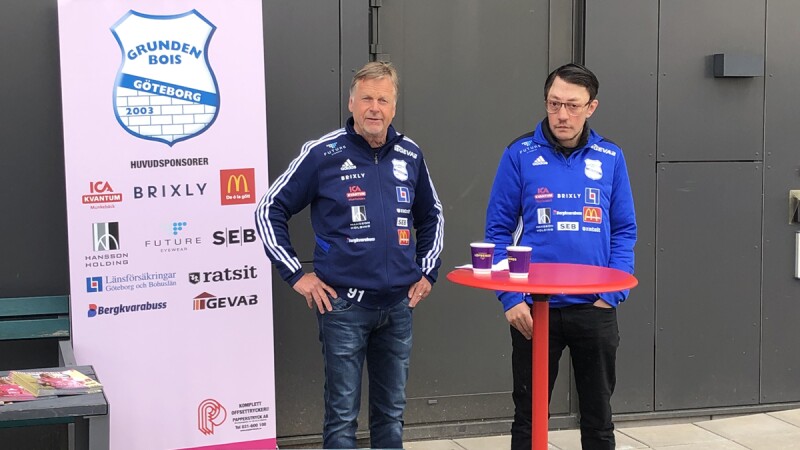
165 89
399 169
593 169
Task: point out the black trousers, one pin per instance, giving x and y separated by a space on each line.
592 335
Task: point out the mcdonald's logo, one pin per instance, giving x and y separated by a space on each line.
404 237
237 186
592 214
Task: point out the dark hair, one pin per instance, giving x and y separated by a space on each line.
574 74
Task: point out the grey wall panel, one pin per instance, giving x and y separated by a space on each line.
303 103
471 76
780 362
702 118
303 87
707 284
626 61
34 230
354 45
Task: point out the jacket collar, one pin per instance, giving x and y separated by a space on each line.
392 137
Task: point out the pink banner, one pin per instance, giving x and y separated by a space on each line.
165 156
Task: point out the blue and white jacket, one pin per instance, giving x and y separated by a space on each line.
576 209
364 204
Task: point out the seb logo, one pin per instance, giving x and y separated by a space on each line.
592 214
404 237
235 236
237 186
101 192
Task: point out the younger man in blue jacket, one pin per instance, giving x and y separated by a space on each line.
368 186
564 190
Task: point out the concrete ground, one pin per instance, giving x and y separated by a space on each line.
768 431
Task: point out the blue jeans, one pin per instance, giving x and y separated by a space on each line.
349 334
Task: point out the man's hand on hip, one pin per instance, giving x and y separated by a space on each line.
418 291
315 291
519 316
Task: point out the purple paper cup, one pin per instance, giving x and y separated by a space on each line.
482 256
519 261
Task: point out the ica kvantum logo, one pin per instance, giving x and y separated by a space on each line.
165 89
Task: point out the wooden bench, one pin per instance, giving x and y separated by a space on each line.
23 320
34 333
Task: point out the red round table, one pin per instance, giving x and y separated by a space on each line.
548 279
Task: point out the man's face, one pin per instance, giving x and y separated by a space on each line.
565 127
373 104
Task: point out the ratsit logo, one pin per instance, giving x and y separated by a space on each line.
210 414
237 186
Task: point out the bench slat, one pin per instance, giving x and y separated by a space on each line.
56 327
25 306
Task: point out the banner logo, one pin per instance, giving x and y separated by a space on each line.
403 195
210 414
105 236
94 284
237 186
101 192
165 89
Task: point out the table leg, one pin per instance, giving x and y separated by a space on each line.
540 382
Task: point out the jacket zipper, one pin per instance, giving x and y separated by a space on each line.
385 226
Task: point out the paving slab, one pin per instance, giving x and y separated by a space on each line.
666 435
717 445
791 416
571 440
748 427
432 445
485 443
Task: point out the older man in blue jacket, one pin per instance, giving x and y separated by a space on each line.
368 187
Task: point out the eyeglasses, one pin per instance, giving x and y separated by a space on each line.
554 107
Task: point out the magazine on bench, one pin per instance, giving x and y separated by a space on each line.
65 382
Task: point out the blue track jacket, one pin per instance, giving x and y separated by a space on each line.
570 210
364 203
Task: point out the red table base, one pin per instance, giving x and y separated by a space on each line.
548 279
540 380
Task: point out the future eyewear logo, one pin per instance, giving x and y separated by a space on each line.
210 414
165 89
237 186
175 244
